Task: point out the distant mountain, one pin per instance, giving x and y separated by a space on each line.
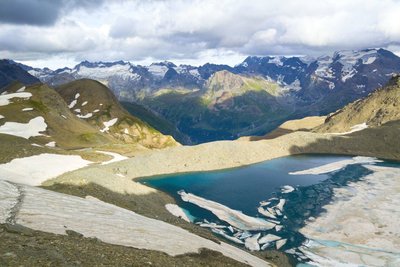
204 103
11 72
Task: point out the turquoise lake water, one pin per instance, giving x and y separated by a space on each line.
244 188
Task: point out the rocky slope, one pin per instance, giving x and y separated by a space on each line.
95 103
310 87
10 72
376 109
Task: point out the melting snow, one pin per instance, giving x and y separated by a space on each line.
78 110
25 130
108 124
27 109
36 169
5 99
22 89
89 115
77 95
116 157
72 104
96 110
84 103
51 144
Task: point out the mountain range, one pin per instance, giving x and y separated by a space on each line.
213 102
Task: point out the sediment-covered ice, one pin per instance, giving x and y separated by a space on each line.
233 217
53 212
361 226
335 166
177 211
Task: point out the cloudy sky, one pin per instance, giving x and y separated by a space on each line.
57 33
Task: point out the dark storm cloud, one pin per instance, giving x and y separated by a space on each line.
39 12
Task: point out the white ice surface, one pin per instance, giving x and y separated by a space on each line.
335 166
233 217
25 130
36 169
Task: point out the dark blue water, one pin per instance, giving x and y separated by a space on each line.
243 188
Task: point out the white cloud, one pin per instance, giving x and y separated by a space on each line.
193 31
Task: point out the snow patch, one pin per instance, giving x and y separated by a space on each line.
5 99
116 157
72 104
89 115
36 169
108 124
25 130
84 103
27 109
22 89
1 117
51 144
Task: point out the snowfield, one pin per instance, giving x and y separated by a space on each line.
53 212
36 169
25 130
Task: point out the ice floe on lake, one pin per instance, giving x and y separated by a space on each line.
287 189
233 217
251 243
338 165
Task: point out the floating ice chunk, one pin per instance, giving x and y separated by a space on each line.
177 211
278 212
5 99
72 104
268 238
27 109
84 103
87 116
264 203
51 144
25 130
280 243
278 227
245 235
212 225
266 213
251 242
231 238
22 89
265 246
281 204
287 189
335 166
108 124
235 218
272 211
231 229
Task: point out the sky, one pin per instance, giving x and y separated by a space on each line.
59 33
